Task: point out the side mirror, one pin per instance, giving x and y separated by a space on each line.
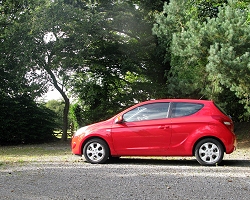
119 119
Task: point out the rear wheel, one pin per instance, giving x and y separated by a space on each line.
96 151
209 152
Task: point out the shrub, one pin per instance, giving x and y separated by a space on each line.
24 121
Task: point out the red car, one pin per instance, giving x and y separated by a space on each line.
166 127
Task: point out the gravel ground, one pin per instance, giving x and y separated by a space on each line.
129 178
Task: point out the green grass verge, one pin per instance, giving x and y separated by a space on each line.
34 153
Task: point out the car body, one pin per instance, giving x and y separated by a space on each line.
164 127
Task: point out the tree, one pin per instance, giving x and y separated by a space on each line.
201 47
124 68
173 19
57 106
13 70
51 46
191 33
229 53
54 40
51 40
176 18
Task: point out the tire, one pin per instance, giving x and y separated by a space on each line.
96 151
209 152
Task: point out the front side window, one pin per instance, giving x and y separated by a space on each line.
147 112
185 109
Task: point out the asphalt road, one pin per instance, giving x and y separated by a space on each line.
128 178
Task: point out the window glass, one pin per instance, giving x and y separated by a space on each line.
147 112
185 109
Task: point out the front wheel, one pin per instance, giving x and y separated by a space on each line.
96 151
209 152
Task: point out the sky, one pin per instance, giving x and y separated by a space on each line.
52 95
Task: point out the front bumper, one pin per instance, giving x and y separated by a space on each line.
76 146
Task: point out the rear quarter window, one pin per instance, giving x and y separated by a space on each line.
185 109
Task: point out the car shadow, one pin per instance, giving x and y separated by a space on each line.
175 162
153 161
236 163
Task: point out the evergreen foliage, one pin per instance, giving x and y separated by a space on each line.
209 54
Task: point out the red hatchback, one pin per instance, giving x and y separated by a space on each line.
166 127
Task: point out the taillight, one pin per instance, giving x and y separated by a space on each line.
226 121
229 125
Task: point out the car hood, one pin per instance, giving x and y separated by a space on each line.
94 127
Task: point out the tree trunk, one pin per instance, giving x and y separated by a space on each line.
67 103
65 119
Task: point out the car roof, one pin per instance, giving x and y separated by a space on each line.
178 100
167 100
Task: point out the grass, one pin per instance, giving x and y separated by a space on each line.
58 134
21 154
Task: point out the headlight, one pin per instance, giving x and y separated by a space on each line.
80 131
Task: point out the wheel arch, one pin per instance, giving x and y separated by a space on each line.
205 137
94 137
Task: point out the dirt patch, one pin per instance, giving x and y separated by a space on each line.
242 131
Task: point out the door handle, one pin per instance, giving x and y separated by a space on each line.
163 127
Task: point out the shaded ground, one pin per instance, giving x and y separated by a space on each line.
242 131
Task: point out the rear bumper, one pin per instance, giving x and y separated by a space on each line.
235 144
233 147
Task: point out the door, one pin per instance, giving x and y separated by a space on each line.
145 130
185 122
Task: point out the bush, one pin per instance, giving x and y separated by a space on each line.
24 121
